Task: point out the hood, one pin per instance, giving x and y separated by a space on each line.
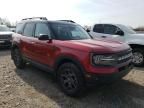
137 35
135 39
97 45
6 33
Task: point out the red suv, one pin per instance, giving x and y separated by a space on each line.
66 50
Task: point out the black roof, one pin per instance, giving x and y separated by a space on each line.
62 22
44 19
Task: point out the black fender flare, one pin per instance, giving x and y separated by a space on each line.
13 46
64 58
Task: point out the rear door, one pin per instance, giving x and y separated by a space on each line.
27 40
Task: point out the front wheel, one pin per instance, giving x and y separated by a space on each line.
138 57
71 79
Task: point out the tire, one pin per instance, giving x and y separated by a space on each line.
71 79
17 58
138 57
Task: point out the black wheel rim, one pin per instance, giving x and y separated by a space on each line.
138 58
69 80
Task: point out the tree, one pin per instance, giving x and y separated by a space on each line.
4 21
87 27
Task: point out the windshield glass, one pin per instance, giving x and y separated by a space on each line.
128 29
69 32
4 28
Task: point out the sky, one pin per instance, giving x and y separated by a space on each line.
84 12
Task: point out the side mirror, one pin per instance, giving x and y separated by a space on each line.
88 30
13 30
44 37
121 33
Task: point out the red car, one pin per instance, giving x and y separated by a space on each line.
66 50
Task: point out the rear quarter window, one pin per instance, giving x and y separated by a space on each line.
19 28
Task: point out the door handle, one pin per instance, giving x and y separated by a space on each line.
103 36
32 42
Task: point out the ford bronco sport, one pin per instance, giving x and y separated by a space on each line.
66 50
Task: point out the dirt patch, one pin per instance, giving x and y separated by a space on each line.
33 88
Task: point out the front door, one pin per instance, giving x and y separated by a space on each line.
43 49
110 32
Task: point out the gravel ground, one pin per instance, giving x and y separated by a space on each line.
32 88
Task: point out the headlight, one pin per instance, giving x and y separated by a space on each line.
103 59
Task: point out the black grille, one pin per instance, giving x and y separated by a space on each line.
6 43
5 36
124 56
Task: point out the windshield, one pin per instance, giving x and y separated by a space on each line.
4 28
69 32
128 29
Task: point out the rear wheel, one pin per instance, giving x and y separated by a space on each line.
71 79
17 58
138 57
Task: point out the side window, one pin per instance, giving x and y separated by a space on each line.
28 30
110 29
42 28
19 28
98 28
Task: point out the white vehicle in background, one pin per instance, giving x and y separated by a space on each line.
121 33
5 36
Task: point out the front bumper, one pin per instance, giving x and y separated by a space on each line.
5 43
92 78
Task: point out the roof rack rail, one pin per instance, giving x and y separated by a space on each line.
41 18
67 21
